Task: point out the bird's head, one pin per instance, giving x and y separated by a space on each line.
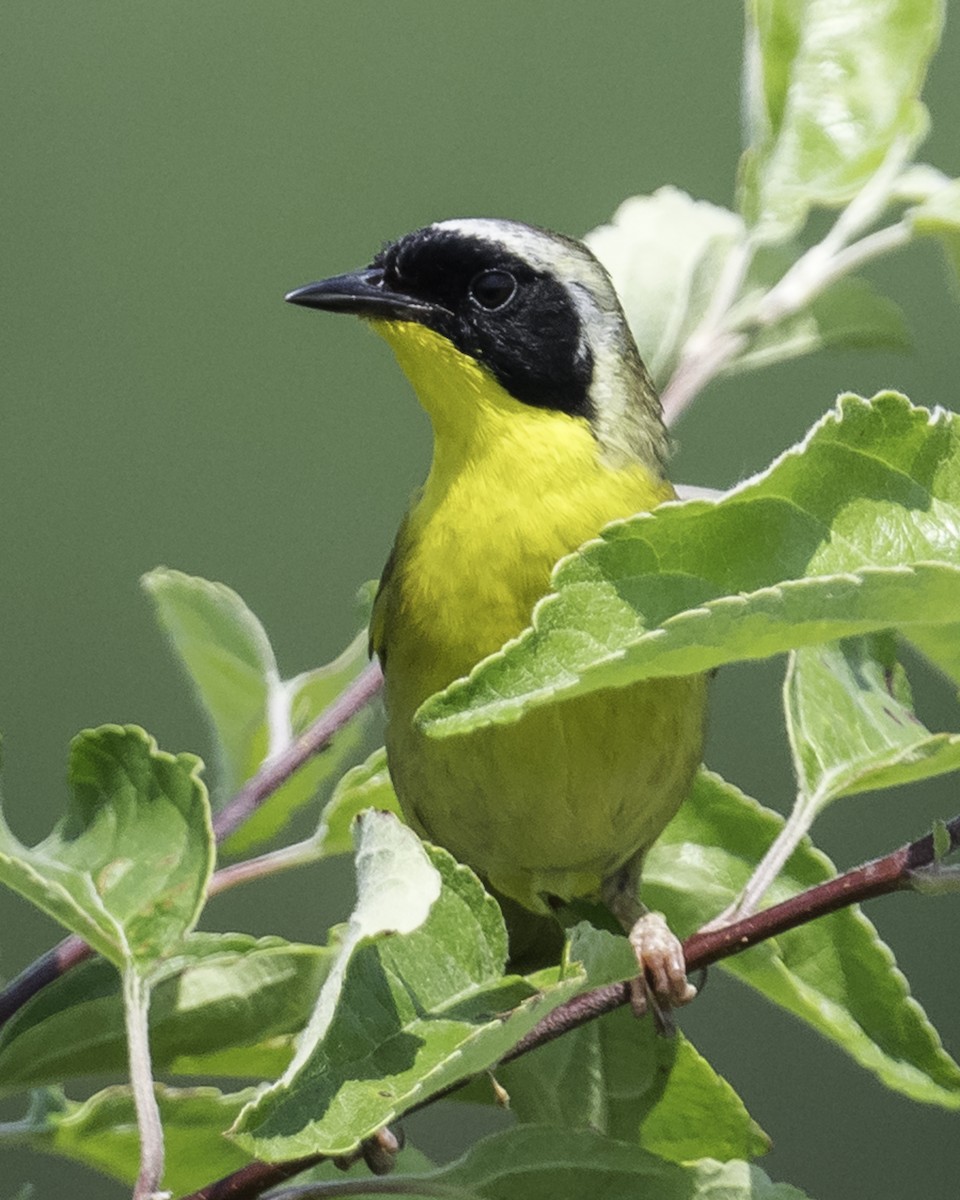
532 309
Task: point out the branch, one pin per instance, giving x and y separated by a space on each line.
720 338
909 868
275 772
48 967
893 873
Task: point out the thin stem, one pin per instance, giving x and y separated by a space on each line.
694 372
254 1179
717 340
817 268
705 357
867 205
725 293
770 866
709 347
136 1003
279 714
889 874
284 859
815 272
368 1187
279 769
880 242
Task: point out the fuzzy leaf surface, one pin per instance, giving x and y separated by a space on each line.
221 1004
830 87
254 713
851 723
416 1002
127 866
853 530
665 253
834 973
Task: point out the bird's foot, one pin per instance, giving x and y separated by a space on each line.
662 983
379 1152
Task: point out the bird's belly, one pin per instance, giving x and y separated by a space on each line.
557 801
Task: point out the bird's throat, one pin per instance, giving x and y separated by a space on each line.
511 489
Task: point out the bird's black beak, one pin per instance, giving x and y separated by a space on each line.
362 293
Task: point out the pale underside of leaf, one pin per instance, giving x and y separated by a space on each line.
254 713
831 87
413 1013
665 253
849 729
223 1004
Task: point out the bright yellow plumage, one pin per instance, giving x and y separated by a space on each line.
476 549
557 802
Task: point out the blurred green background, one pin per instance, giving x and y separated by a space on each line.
169 171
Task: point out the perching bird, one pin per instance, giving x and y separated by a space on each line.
546 427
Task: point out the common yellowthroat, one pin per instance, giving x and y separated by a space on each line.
546 427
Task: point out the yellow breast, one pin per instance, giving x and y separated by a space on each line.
512 489
555 802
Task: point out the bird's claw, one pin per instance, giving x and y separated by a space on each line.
663 982
379 1152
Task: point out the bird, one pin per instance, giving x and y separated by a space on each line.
546 428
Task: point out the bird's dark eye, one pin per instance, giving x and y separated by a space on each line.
493 289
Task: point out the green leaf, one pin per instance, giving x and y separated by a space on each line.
831 86
229 659
540 1162
855 529
939 216
102 1133
127 866
416 1002
939 643
850 314
309 694
365 786
222 1004
834 973
851 723
254 713
665 253
618 1077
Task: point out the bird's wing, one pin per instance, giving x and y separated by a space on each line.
377 643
